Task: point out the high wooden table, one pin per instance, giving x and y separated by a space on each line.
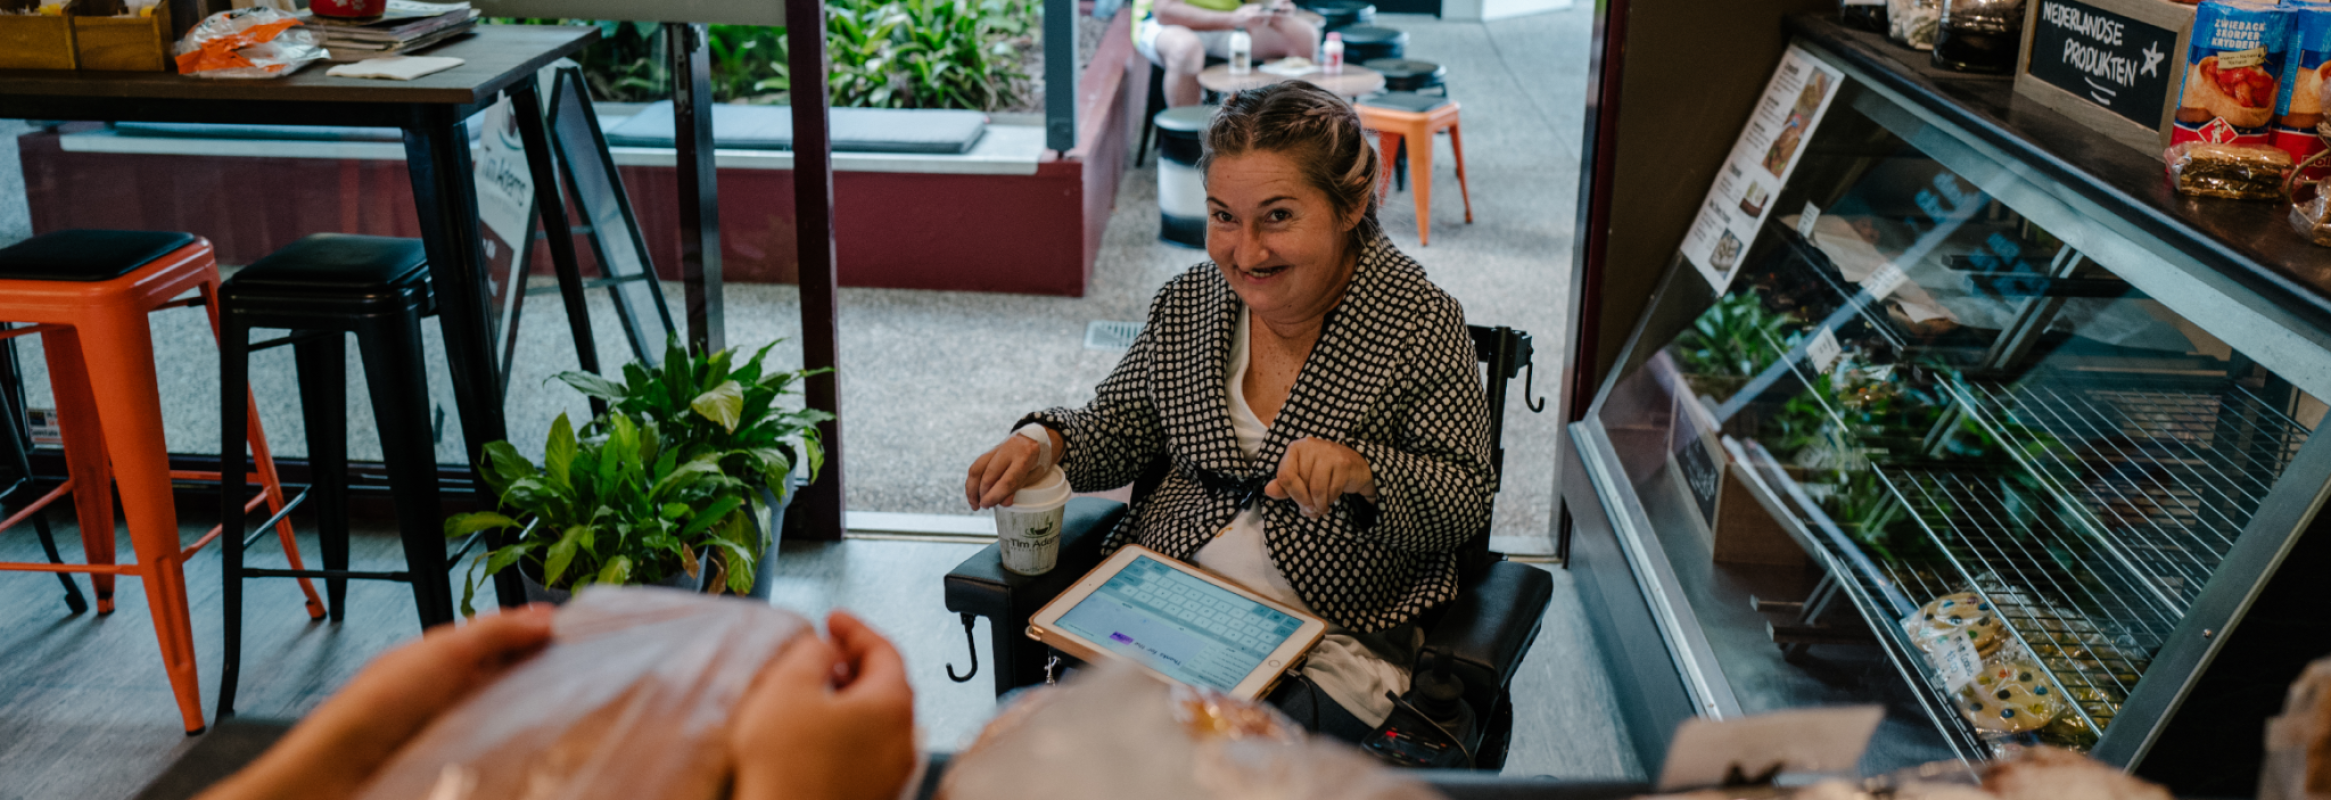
501 60
1354 81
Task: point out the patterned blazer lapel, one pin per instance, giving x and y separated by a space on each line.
1193 354
1355 357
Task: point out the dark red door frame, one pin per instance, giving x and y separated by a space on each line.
819 509
1598 161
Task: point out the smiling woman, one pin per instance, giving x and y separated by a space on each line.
1301 415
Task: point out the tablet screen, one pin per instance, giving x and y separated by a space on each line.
1173 622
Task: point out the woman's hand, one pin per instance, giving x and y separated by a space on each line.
336 750
834 721
1315 473
1003 470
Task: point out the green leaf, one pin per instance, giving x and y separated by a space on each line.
559 452
561 554
721 404
461 525
504 465
715 512
617 571
675 510
593 385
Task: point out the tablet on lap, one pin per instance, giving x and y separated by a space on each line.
1178 622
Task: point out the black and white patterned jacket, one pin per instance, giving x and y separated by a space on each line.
1393 377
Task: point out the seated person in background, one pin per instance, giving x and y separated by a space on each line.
828 719
1315 401
1178 35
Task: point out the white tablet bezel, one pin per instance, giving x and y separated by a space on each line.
1044 626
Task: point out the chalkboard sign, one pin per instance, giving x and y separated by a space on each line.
1702 474
2112 65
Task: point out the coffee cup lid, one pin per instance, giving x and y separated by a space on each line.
1050 488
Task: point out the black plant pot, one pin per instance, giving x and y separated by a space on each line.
771 528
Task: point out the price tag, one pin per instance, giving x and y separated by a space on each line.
1805 220
1824 351
1883 282
1957 662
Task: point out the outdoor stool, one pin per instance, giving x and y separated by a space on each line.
1336 15
88 293
1181 191
1399 117
322 288
1365 43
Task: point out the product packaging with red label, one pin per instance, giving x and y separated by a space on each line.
2233 69
2304 68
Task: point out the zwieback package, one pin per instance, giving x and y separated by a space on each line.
2233 68
2304 69
630 701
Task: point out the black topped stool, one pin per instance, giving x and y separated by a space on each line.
322 288
1181 191
1336 15
1365 43
1407 75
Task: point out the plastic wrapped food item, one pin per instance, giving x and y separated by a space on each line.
2011 695
2240 172
2312 219
2298 743
630 701
257 42
1912 23
1962 614
1112 731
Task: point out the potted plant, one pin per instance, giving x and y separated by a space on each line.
708 406
1730 343
624 507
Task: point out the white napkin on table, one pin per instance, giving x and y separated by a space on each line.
402 68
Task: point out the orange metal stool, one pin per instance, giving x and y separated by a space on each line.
1396 124
87 293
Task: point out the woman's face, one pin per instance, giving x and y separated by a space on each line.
1277 239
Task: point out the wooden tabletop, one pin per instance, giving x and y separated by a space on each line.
496 56
1354 81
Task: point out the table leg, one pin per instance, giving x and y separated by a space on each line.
444 194
550 203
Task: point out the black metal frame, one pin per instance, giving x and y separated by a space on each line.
598 191
16 442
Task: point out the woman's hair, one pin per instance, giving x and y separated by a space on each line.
1314 128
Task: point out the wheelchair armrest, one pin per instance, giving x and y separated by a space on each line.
1491 624
981 585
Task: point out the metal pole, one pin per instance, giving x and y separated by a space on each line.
1060 90
699 186
819 509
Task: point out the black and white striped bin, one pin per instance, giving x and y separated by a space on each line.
1181 191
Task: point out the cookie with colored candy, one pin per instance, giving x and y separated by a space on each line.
1962 614
2010 696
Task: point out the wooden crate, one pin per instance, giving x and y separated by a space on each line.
124 44
29 41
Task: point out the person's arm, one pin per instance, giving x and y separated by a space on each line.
1434 483
1101 446
827 720
1177 12
337 748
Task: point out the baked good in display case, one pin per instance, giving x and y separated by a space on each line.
2011 696
1961 614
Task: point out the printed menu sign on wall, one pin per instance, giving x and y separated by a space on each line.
2121 64
1761 161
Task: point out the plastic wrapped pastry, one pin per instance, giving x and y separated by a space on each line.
2241 172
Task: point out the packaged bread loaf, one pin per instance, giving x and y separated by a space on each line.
2237 171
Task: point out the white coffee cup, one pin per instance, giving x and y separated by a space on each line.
1028 530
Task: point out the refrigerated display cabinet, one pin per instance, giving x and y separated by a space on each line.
1975 355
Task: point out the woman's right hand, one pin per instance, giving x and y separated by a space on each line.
1001 471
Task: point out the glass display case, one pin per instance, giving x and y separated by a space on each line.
1957 440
